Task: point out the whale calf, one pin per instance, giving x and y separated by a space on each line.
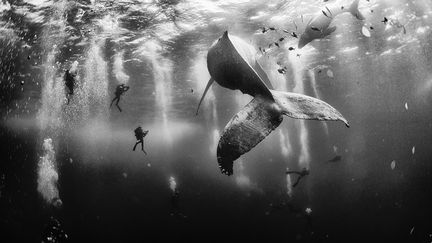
232 64
319 26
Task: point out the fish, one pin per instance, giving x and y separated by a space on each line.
329 10
232 63
325 14
319 27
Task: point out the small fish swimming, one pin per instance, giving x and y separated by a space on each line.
325 14
282 70
329 10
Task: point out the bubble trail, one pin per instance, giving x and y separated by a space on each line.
172 184
162 78
118 69
48 176
298 72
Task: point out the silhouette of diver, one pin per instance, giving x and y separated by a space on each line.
121 88
301 174
70 84
140 134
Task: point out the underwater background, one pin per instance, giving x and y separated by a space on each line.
68 172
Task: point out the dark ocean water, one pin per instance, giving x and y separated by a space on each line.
81 154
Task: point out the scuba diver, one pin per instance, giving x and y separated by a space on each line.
70 83
301 174
140 134
121 88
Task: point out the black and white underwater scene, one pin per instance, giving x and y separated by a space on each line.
216 120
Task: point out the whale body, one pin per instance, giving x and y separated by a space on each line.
319 26
232 64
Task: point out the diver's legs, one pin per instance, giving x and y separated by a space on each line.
136 145
297 182
118 100
113 100
142 147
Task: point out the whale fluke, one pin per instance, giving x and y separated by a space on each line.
232 64
261 116
245 130
301 106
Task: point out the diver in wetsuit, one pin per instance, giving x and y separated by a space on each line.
121 88
70 84
301 174
140 134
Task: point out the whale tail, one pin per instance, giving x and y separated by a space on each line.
261 116
355 11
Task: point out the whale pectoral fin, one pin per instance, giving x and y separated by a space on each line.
263 75
300 106
328 31
210 82
245 130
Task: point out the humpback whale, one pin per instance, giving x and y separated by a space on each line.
232 64
319 26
